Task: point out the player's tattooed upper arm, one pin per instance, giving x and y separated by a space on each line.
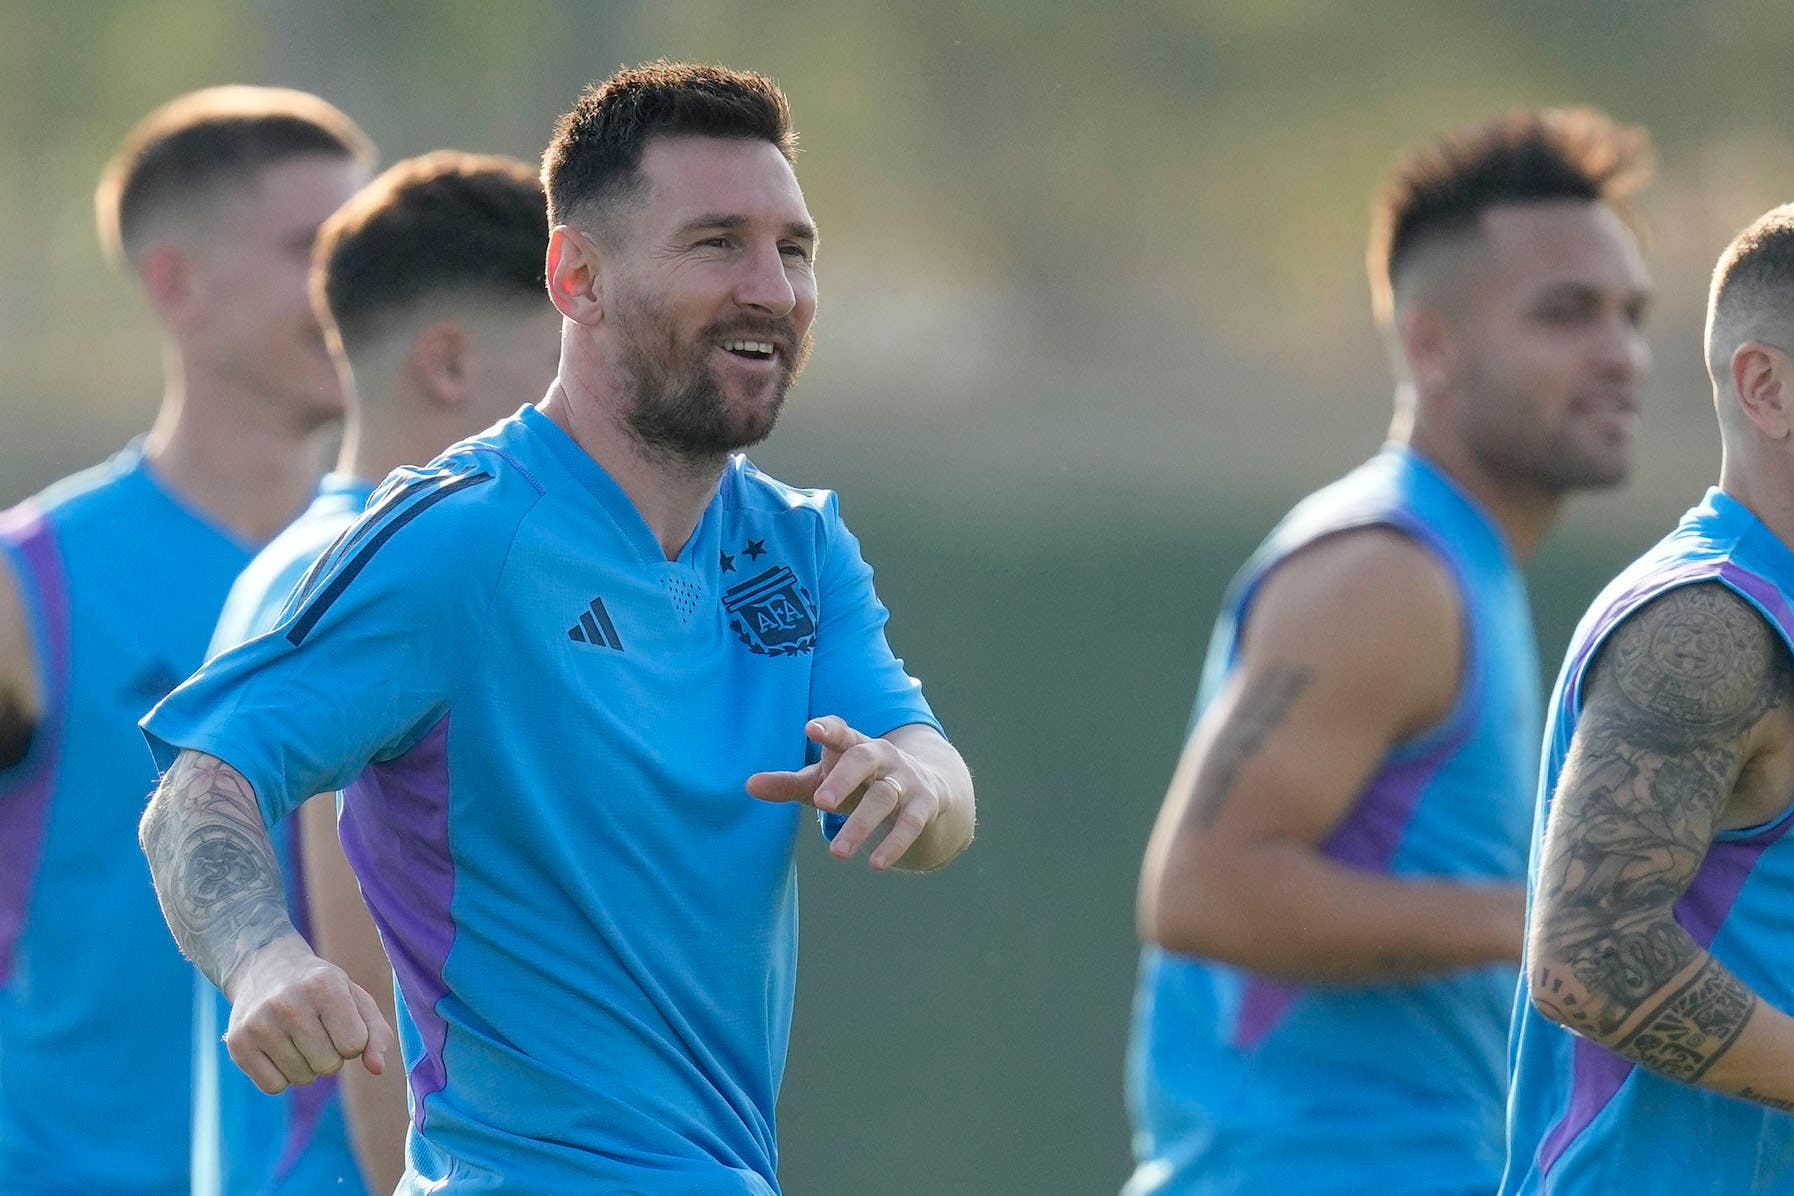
1262 709
1695 666
1658 750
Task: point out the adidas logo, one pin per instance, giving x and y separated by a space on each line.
595 628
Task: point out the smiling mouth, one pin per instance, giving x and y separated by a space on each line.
750 350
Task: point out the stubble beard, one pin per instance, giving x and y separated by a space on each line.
1555 462
674 404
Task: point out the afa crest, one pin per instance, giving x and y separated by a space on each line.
773 614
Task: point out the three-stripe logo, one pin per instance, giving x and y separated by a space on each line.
595 628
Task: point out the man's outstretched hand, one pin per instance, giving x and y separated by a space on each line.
872 781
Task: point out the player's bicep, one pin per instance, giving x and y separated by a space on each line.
1279 753
1666 727
1345 654
1671 716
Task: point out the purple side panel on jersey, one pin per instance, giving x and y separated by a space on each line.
25 799
1365 838
394 829
1721 878
1597 1073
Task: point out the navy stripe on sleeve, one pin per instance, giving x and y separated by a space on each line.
349 537
309 616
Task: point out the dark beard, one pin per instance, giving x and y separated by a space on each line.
681 412
693 422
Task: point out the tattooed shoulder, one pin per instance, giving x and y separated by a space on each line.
1695 663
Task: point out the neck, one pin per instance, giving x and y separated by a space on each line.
232 460
1522 512
392 433
670 493
1767 491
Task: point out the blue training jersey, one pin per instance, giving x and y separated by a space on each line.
1243 1084
247 1143
1582 1119
547 726
122 583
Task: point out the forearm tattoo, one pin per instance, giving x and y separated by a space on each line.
1694 1026
213 865
16 730
1261 710
1657 754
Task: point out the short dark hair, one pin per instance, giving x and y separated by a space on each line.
1528 156
1754 282
443 222
595 155
211 138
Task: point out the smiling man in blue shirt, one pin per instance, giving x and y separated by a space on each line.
579 675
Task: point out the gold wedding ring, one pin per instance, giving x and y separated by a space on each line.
894 783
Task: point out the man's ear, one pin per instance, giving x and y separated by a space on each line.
437 362
574 262
1760 379
170 282
1427 346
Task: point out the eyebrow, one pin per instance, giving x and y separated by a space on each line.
1587 292
797 230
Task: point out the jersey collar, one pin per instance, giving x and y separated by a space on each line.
616 503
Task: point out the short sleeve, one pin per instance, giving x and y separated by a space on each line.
855 675
367 654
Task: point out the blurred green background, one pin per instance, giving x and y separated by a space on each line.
1093 314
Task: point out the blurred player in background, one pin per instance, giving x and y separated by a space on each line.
1655 1052
110 584
575 670
430 285
1333 896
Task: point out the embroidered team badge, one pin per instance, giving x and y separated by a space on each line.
773 614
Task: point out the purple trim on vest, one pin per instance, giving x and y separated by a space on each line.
1367 837
394 829
1596 1072
1764 592
25 804
1649 586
